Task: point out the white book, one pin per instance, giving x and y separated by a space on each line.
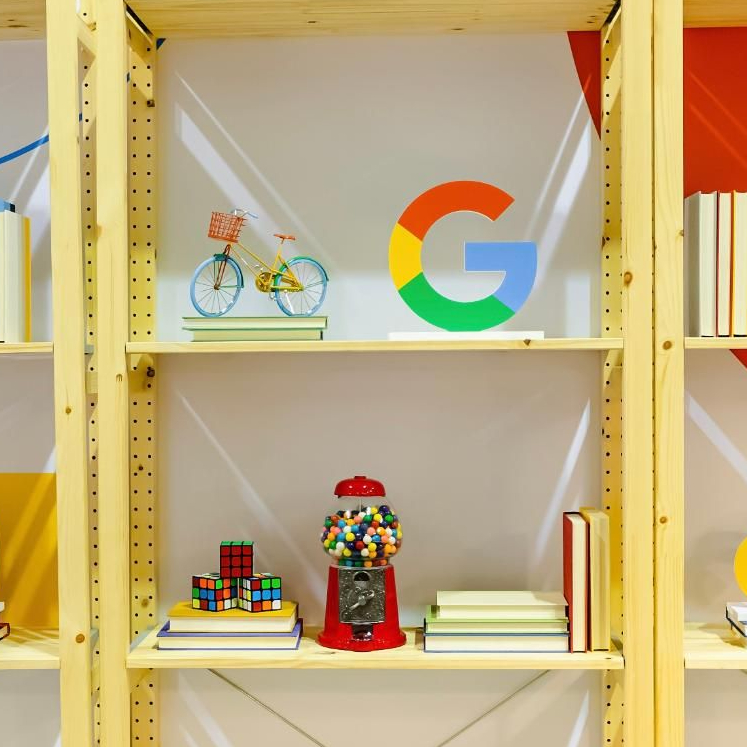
501 605
700 239
723 266
12 277
739 264
737 611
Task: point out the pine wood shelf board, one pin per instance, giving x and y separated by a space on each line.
714 13
272 18
22 19
714 646
375 346
311 655
30 649
26 348
716 343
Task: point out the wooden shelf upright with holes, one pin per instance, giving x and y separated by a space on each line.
70 50
692 645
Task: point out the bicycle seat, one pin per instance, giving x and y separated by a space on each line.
284 236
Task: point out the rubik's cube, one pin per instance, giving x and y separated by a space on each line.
214 592
260 593
237 559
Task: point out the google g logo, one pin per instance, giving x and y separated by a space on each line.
517 259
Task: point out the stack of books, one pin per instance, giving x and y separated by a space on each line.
4 627
497 622
254 328
736 614
15 275
716 256
586 578
189 629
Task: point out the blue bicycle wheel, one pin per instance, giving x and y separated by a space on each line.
309 299
216 285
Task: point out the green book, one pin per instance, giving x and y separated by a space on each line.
438 625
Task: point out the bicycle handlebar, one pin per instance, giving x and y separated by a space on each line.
244 213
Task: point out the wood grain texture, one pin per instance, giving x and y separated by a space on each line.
204 18
26 348
638 463
712 13
713 646
69 375
26 648
373 346
716 343
22 19
311 655
669 357
112 251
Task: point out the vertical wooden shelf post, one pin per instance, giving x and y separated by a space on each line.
638 459
69 374
114 493
669 374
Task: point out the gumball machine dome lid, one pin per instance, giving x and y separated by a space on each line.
359 486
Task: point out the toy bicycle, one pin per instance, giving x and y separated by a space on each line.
297 285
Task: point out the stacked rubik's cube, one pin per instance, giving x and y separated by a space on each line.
236 585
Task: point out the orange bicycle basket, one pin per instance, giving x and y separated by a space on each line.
225 227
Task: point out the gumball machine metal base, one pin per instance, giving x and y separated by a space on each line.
361 610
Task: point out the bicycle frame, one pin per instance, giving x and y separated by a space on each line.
293 284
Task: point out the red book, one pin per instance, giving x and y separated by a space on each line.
576 577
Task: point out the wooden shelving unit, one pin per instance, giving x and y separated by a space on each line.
128 358
678 645
646 668
716 343
311 655
30 649
374 346
67 649
26 348
714 646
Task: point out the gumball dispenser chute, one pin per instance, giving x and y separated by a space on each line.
361 535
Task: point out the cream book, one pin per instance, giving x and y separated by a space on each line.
255 322
599 579
700 253
500 605
14 277
723 266
739 264
434 624
184 619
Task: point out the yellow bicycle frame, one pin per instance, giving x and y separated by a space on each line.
294 285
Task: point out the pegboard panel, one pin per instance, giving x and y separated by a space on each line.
142 284
611 323
87 76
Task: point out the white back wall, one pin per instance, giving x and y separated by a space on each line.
331 139
25 180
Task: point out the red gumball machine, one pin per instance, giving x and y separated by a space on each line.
362 534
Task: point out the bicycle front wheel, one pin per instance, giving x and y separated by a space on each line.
216 285
308 299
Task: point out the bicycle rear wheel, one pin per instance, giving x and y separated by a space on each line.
216 285
309 299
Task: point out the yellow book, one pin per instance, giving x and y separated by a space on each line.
184 619
599 578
